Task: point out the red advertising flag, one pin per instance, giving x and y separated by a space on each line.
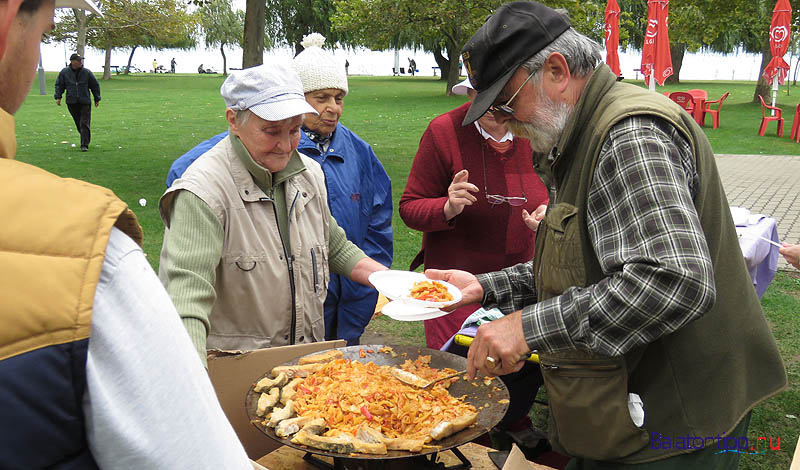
656 60
780 31
612 36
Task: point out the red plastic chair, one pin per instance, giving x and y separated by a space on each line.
685 100
795 136
766 118
715 112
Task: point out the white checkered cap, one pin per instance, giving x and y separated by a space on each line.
272 92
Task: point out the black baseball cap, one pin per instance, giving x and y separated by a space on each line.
512 35
75 57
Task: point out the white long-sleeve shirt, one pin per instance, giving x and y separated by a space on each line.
149 403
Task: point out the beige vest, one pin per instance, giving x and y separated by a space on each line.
54 235
262 292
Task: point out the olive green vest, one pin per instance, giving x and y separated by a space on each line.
698 381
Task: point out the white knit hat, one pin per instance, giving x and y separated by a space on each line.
317 68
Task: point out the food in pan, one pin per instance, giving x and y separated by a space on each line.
349 406
268 400
431 291
322 357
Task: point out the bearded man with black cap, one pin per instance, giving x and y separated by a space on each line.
652 341
77 80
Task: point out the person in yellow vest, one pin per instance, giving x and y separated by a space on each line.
96 369
653 345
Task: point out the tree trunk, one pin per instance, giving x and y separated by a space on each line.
81 22
452 69
224 60
442 62
254 22
130 59
107 67
676 52
762 87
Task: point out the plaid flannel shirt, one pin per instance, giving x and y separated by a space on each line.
646 233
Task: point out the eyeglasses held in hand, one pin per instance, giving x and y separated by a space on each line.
506 109
497 198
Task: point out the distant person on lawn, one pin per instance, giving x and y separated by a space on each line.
250 243
96 370
77 80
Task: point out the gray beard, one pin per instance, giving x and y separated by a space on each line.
550 119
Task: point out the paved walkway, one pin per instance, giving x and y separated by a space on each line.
766 184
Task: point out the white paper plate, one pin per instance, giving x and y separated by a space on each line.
396 285
402 311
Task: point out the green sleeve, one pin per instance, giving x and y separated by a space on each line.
342 253
193 251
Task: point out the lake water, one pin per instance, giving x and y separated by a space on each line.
696 66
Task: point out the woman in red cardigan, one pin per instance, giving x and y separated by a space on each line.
473 193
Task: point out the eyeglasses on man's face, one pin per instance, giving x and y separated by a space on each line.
505 110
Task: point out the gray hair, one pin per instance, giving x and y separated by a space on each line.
582 54
242 116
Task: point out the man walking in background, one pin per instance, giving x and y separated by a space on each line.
77 80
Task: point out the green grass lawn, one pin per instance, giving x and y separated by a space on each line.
145 121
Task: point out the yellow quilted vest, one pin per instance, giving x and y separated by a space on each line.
53 239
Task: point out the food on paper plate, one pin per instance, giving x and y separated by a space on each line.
351 406
431 291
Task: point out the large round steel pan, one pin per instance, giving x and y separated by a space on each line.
483 397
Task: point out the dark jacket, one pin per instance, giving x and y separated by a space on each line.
77 85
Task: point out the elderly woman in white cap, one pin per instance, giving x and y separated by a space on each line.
473 192
250 240
359 190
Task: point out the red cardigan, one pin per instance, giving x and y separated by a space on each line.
484 237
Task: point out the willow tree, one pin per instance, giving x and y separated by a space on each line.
222 27
381 24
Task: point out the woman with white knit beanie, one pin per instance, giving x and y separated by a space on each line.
359 190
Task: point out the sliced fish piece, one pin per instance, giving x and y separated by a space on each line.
448 428
316 426
289 391
266 383
369 435
326 356
296 371
399 443
341 444
279 414
267 401
287 427
369 447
